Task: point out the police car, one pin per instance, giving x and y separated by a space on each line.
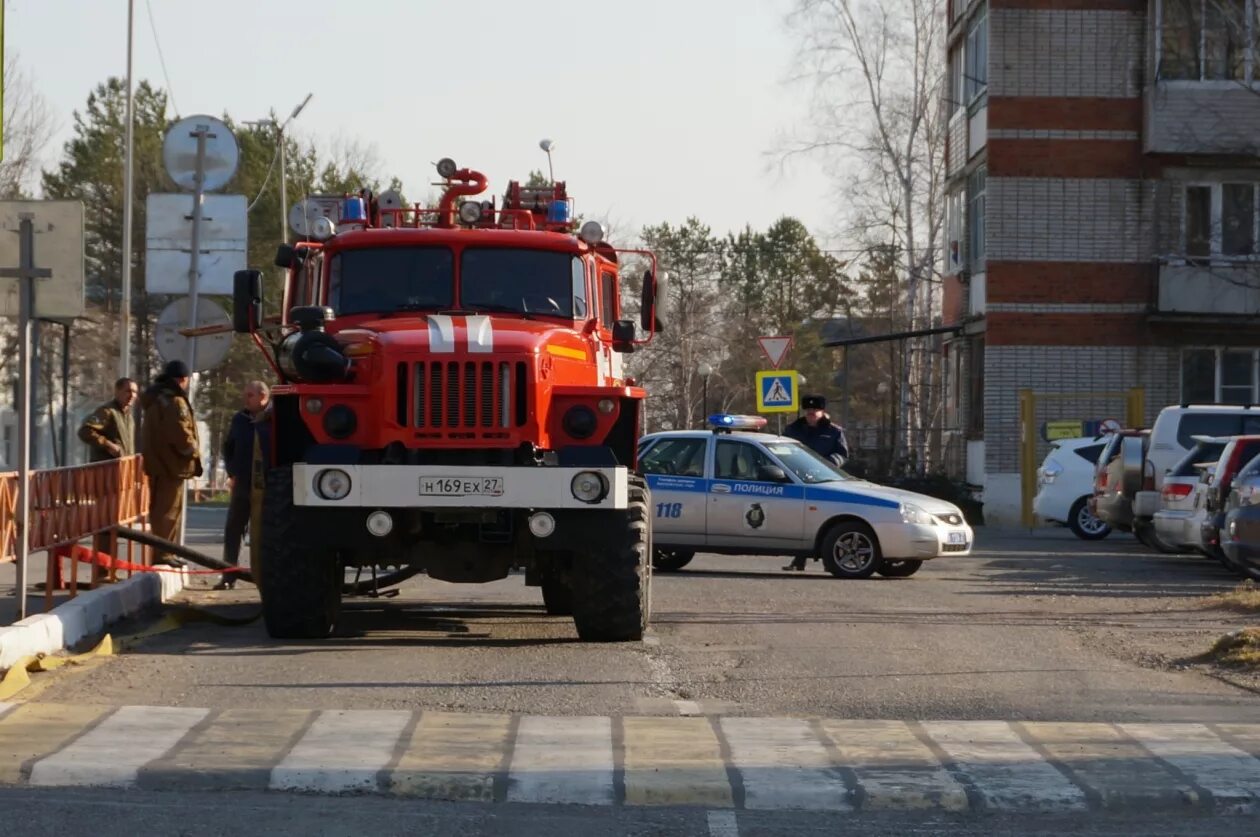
736 491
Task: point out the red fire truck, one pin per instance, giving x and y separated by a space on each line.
451 401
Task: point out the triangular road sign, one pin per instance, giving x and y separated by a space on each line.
775 349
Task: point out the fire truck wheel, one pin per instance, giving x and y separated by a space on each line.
557 595
300 588
612 584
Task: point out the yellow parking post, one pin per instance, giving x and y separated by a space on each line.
1027 453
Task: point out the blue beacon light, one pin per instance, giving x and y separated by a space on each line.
727 421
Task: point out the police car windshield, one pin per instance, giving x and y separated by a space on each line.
544 282
806 464
382 279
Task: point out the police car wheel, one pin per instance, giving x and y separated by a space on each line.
850 550
671 560
899 569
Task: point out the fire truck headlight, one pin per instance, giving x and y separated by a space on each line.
589 486
340 421
607 405
580 422
332 484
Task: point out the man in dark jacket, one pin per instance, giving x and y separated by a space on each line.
172 451
815 430
109 431
238 455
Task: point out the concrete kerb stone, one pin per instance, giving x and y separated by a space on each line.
86 616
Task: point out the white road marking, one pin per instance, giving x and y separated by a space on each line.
784 765
1008 773
441 334
567 760
688 707
480 335
113 753
1231 775
723 824
5 707
344 750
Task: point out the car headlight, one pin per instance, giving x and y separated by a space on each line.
589 486
911 513
332 484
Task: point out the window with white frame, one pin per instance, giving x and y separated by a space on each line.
977 57
1219 221
1220 375
1207 40
975 220
957 80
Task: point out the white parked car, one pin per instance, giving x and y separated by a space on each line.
1065 482
729 490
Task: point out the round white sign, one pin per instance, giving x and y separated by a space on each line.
179 153
211 349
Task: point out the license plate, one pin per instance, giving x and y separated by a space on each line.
461 486
957 538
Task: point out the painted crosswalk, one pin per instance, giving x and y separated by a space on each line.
720 763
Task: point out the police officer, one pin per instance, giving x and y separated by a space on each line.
172 451
109 431
815 430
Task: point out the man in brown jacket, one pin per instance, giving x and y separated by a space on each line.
172 452
110 432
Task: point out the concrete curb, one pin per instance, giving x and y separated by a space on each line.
85 616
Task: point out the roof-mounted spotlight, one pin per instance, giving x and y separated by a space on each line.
592 233
470 212
446 168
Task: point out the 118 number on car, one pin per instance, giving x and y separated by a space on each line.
669 509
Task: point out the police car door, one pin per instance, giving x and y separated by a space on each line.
675 469
747 505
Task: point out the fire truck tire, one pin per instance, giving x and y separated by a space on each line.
300 588
612 586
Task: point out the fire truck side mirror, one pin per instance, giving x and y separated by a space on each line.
246 300
623 335
286 256
651 302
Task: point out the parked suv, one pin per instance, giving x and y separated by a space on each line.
1114 484
1172 436
1180 515
1064 484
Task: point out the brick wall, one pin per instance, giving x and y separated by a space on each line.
1065 52
1039 219
1019 281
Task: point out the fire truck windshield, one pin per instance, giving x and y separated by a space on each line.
378 279
543 282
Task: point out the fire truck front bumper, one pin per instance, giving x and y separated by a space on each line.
446 487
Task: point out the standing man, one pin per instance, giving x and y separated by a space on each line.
815 430
238 455
172 451
110 432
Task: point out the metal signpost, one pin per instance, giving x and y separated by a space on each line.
61 222
200 154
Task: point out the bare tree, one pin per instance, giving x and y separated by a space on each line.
876 71
29 126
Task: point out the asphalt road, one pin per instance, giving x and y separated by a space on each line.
1026 628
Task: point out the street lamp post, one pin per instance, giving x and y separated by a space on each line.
546 145
705 370
284 169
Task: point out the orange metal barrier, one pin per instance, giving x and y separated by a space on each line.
70 504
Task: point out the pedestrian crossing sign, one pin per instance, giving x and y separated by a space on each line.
777 392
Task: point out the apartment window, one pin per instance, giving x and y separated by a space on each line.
957 80
1219 221
975 389
977 57
1219 376
975 220
1206 40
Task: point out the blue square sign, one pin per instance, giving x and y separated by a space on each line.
777 391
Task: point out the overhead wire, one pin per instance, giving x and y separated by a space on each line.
170 89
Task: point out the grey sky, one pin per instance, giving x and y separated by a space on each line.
660 109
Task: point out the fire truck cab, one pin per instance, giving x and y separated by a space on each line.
451 400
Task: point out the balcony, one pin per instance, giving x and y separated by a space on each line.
1222 288
1201 117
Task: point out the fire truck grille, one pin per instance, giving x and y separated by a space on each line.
463 395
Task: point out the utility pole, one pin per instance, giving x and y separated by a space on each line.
124 348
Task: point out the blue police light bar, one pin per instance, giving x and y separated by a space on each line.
727 421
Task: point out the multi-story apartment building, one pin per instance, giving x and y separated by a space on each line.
1103 214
